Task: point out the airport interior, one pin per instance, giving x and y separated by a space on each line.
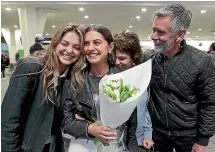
22 21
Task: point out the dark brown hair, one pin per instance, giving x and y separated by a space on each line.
129 43
104 31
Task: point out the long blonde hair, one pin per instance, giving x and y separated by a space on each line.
52 61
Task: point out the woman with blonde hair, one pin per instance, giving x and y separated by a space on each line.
31 108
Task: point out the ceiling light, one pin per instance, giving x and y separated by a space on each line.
203 11
214 33
53 26
8 9
188 38
197 36
188 32
137 17
47 34
81 9
15 26
127 30
130 26
144 9
86 16
199 29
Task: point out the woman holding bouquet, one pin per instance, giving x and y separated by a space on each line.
128 53
79 110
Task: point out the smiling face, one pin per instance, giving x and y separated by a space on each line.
123 60
164 39
96 47
68 50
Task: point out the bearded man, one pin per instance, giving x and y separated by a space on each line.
182 87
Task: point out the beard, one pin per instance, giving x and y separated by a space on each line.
163 47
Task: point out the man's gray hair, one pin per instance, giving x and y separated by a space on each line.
181 17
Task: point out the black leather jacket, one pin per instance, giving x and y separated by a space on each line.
80 103
183 94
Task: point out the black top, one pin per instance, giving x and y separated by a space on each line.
27 117
182 93
81 103
36 47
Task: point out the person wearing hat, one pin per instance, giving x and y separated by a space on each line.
38 44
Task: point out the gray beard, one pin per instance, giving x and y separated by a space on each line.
163 48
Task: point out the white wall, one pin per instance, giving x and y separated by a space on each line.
17 38
147 45
205 44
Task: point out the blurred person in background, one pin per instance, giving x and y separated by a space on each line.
17 56
182 87
212 53
3 65
32 107
37 45
212 48
127 53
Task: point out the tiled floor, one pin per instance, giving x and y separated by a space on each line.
5 82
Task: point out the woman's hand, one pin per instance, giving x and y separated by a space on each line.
102 132
148 143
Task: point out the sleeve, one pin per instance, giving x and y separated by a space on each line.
70 125
144 124
146 55
206 86
11 109
147 126
131 140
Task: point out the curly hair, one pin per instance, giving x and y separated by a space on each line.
129 43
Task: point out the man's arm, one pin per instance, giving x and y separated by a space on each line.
206 86
148 54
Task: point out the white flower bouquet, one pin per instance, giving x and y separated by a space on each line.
119 94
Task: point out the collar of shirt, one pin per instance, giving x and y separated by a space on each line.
61 76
